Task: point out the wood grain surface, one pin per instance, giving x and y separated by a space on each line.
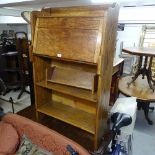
140 88
141 51
81 40
66 113
65 36
71 77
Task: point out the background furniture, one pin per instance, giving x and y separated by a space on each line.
144 64
147 39
22 47
10 64
41 135
72 54
141 90
16 65
118 65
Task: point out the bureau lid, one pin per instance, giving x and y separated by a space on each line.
73 38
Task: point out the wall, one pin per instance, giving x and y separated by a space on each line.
130 36
11 20
15 27
141 14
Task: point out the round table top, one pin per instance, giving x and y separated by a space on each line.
140 88
141 51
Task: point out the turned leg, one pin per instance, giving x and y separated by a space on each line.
149 77
139 71
150 71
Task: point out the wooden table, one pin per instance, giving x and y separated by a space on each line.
144 65
141 90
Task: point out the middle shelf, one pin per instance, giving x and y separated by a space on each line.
68 90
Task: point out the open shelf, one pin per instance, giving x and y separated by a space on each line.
70 115
73 91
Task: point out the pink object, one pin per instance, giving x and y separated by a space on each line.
9 139
42 136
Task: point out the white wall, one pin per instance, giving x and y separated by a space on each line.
137 14
11 20
130 36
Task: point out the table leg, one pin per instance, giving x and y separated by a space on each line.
139 71
145 106
149 75
150 65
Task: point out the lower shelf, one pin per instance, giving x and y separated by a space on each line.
70 115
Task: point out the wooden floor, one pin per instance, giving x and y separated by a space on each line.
76 134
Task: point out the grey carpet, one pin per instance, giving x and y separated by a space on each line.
144 135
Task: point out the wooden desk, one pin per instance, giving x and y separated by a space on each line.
118 65
117 72
144 68
139 89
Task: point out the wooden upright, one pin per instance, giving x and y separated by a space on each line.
72 54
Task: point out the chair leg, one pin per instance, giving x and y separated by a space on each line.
22 91
12 103
20 94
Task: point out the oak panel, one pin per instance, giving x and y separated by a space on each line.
140 88
69 23
67 43
75 78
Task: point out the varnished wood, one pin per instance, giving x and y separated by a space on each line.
66 60
105 77
73 91
62 41
75 78
116 65
42 95
69 100
80 66
70 23
66 113
141 51
81 39
81 11
139 88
